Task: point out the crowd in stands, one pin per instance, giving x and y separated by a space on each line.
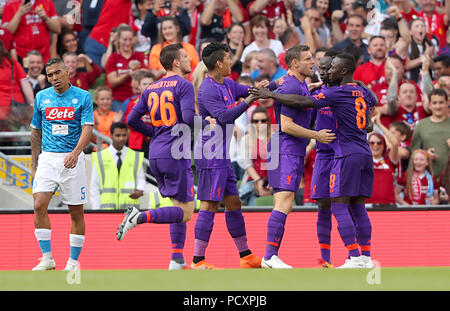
111 47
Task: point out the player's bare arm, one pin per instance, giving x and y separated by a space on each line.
288 126
36 148
86 135
290 100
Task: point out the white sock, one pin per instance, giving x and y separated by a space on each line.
76 243
43 237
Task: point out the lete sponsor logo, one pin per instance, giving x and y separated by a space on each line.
60 113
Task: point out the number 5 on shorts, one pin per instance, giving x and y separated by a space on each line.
83 193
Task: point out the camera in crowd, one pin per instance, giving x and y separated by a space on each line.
167 4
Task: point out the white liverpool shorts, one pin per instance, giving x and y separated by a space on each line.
52 175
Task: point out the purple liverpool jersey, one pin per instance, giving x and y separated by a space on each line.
351 105
170 101
219 102
325 120
289 144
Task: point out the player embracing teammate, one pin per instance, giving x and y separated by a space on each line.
351 175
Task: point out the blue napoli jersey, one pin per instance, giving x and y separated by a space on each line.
61 116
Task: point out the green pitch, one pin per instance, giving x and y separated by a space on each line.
386 279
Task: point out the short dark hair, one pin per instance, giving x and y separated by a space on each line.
169 54
438 92
348 60
376 37
390 23
69 53
140 74
294 53
356 51
331 52
35 53
260 19
444 59
321 49
364 22
397 57
214 52
117 125
403 128
286 35
245 79
360 4
262 78
53 61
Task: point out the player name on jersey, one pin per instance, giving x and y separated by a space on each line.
60 113
161 84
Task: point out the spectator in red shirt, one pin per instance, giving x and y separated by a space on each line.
217 16
136 140
387 88
7 38
402 133
269 8
113 13
121 64
385 161
31 24
419 47
339 19
266 103
418 186
13 86
372 71
288 38
81 79
406 9
194 9
35 66
436 24
407 109
253 149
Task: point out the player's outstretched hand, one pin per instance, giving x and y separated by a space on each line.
263 83
250 99
260 93
325 136
212 122
70 161
313 86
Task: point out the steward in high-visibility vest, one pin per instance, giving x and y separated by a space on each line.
115 188
157 200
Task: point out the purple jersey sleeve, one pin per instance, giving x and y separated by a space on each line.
134 118
187 103
240 90
323 98
291 88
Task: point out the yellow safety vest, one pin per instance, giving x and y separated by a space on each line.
157 200
115 188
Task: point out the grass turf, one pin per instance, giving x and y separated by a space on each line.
390 279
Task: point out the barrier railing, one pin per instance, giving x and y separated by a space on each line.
12 179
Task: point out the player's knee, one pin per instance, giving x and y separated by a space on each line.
39 208
187 216
76 214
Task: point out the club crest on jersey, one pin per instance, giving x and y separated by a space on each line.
60 113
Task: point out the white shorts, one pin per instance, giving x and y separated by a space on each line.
52 175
